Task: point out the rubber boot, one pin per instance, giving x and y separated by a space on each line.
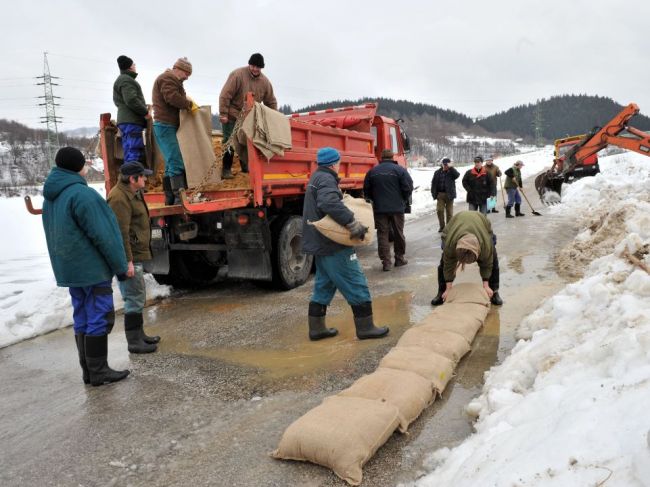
365 324
167 188
244 165
494 210
81 348
96 348
518 210
496 299
317 328
177 183
437 301
508 210
146 338
226 172
134 334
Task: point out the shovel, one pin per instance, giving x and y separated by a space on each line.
531 206
503 196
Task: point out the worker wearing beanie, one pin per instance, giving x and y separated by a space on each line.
169 98
337 266
233 98
86 251
132 110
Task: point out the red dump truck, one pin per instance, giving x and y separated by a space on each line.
255 232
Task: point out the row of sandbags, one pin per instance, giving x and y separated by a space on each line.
346 429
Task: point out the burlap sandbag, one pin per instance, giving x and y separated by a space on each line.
362 212
446 343
468 292
404 389
430 365
342 434
195 140
464 319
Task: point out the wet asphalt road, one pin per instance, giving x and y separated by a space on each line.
235 368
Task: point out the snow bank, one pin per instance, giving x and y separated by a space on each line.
568 407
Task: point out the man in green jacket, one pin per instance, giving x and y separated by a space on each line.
132 110
466 239
512 185
127 202
86 251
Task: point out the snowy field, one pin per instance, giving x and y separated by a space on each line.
568 406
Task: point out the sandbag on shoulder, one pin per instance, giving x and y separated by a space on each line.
343 433
362 212
430 365
468 292
406 390
464 319
446 343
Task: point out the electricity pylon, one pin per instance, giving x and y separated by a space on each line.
50 117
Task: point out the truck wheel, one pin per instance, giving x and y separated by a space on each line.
291 267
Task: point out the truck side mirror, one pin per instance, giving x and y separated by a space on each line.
406 142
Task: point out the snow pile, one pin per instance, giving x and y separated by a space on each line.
31 303
568 407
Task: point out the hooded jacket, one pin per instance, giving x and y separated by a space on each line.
83 238
461 224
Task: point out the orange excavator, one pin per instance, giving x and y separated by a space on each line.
576 157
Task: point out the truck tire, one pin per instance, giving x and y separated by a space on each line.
291 267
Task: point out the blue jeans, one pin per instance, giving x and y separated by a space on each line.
513 196
340 271
171 151
134 291
93 311
482 208
132 142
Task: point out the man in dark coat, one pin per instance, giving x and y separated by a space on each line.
337 266
86 251
443 190
132 110
478 184
389 186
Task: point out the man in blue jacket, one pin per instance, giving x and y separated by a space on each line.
337 266
389 186
86 251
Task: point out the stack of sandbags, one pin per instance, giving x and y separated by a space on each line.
347 429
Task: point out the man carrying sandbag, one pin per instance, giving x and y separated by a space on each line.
337 266
468 238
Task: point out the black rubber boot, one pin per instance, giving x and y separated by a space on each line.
167 188
437 301
508 210
496 299
146 338
177 183
96 348
518 210
244 165
494 210
81 348
134 334
365 324
317 328
226 172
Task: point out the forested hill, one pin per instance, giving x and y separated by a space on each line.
559 116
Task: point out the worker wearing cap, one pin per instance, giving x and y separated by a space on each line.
494 172
389 186
127 202
337 266
169 98
478 183
443 190
233 98
86 251
512 185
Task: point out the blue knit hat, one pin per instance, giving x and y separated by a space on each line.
327 156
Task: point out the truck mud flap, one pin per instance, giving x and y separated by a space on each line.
159 264
248 239
250 264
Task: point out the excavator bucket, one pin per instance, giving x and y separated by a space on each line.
549 187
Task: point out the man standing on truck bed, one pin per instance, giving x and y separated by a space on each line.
337 266
233 98
127 202
389 186
169 99
132 110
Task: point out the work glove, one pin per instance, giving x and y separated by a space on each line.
194 108
357 230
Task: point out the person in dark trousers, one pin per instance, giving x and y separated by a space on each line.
512 185
389 186
443 190
132 110
494 172
468 238
232 100
86 251
127 202
337 266
478 184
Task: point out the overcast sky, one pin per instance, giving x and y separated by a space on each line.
475 57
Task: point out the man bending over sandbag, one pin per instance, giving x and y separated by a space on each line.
468 238
337 266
